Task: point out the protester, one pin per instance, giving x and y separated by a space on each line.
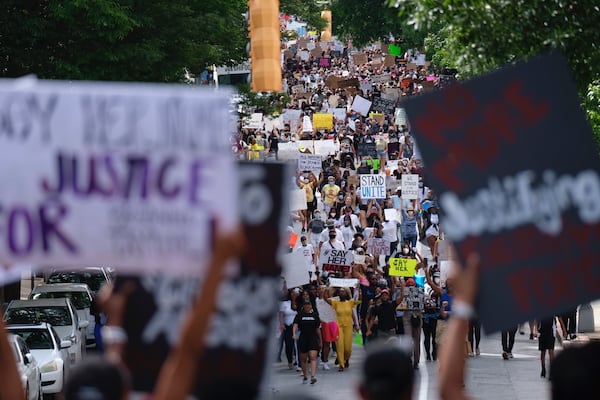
546 328
307 331
347 325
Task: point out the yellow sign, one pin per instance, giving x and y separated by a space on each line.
322 121
403 267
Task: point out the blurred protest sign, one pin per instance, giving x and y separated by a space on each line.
361 105
132 188
378 246
360 59
544 206
297 200
410 186
322 121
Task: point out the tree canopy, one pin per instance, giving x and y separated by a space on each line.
119 39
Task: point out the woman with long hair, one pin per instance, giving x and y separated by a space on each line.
347 325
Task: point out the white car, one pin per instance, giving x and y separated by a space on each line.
81 297
94 277
50 352
27 367
60 313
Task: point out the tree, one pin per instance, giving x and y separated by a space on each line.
306 10
479 36
119 39
366 21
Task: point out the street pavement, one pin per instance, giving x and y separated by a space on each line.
488 376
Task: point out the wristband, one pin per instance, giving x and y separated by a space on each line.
461 309
113 334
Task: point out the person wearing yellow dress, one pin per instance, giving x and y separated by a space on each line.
347 325
254 152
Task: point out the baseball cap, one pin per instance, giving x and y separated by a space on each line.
411 282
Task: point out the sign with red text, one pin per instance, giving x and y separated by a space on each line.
333 260
112 174
513 162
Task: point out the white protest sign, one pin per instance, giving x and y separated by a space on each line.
113 174
335 260
372 186
340 282
294 269
310 162
378 246
391 214
410 186
255 121
361 105
326 147
297 200
304 55
366 86
400 117
338 113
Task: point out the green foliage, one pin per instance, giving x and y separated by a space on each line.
119 39
306 10
479 36
266 103
366 21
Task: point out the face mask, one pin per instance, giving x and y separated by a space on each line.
317 215
332 214
405 251
435 219
331 183
331 237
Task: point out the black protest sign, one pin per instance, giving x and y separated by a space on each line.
383 105
240 327
514 164
367 150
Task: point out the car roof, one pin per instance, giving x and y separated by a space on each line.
41 325
61 287
39 303
80 270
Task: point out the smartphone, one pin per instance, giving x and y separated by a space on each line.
425 261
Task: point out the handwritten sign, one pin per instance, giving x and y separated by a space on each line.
335 260
378 246
550 201
310 162
360 59
403 267
410 186
112 174
339 282
372 186
382 78
383 105
400 117
367 150
298 89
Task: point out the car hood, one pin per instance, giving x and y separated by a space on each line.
44 356
64 331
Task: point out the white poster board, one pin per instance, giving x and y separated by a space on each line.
378 246
410 186
335 260
400 117
255 121
297 200
294 269
361 105
391 214
372 186
326 147
341 282
158 152
310 162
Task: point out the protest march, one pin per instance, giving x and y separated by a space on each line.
310 233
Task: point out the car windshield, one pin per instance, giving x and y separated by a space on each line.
36 339
57 316
80 299
93 279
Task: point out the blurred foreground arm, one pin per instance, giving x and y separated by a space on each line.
10 382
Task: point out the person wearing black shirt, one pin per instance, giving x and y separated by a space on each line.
309 342
385 312
273 141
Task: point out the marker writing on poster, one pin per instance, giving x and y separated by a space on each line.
517 201
480 144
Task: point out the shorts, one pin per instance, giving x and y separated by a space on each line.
315 240
306 344
546 342
311 206
381 153
330 331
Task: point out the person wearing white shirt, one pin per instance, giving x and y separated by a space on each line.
390 234
348 231
354 220
286 322
333 243
307 251
325 234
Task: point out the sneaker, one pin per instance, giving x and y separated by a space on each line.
543 374
505 355
510 355
531 336
290 366
298 369
304 380
313 380
471 354
477 352
326 367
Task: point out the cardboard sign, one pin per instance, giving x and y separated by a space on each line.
544 207
132 187
288 54
389 60
412 66
348 83
335 260
316 53
367 150
394 50
378 246
322 121
361 105
353 180
332 82
155 310
372 186
310 162
339 282
410 186
403 267
390 94
378 117
298 89
297 200
302 42
360 59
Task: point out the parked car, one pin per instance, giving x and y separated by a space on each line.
60 313
94 277
81 297
28 368
50 352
